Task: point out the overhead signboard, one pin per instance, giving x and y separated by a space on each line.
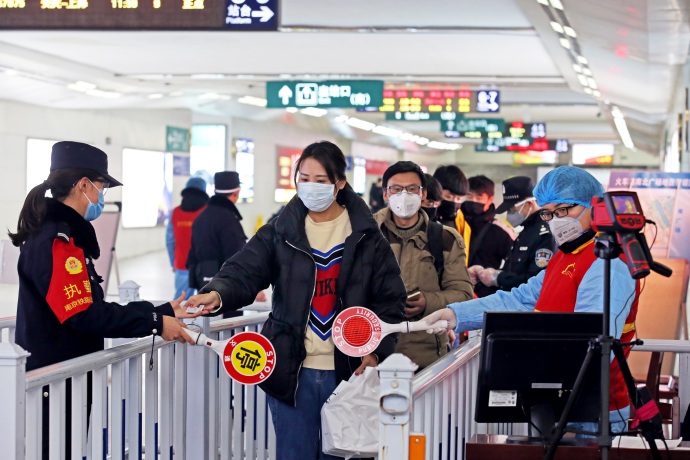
435 101
176 139
474 128
423 116
521 130
509 144
324 94
228 15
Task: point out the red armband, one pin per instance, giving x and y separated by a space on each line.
70 288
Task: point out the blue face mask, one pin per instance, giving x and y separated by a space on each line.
94 210
316 197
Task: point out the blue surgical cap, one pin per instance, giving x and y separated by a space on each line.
568 184
197 183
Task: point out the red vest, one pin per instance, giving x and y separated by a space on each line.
182 229
559 293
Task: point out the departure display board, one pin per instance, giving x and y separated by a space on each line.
222 15
473 128
510 144
421 116
434 101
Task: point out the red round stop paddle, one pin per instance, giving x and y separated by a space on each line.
247 357
358 331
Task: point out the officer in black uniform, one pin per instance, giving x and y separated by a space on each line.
217 233
62 312
533 247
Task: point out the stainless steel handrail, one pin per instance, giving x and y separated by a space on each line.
674 346
70 368
10 321
443 367
239 321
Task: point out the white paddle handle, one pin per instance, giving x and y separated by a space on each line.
415 326
198 338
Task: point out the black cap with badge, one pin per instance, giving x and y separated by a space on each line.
75 155
226 181
515 190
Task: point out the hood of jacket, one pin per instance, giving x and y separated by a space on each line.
81 230
223 202
193 199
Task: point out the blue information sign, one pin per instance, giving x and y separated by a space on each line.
251 14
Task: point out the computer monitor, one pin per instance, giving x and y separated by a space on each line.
529 364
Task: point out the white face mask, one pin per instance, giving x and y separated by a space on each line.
566 228
316 197
405 205
515 219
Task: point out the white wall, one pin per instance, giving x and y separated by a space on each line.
140 129
267 138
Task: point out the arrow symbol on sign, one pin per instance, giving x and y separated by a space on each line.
285 94
265 14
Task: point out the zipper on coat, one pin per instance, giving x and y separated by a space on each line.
310 303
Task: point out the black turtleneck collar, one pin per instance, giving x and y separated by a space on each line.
81 230
570 246
223 202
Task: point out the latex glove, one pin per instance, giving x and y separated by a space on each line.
444 313
474 273
261 297
489 277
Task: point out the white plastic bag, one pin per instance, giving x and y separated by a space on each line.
350 417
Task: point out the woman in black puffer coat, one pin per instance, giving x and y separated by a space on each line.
323 253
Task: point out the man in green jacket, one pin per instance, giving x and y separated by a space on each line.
414 240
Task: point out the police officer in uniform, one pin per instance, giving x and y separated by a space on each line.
61 311
534 246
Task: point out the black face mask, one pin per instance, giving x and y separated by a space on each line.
431 212
471 209
447 210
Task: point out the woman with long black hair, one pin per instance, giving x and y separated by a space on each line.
61 310
322 254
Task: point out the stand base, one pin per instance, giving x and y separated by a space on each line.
531 440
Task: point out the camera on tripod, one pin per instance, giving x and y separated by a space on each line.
620 214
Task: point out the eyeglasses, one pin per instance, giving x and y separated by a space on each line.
558 212
105 186
413 189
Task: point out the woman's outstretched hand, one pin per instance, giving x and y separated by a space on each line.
180 310
208 301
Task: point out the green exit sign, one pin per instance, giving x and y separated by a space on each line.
324 94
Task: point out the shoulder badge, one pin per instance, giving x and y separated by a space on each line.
542 257
63 232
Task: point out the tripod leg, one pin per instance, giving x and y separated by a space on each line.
560 428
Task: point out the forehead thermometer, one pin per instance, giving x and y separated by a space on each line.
358 331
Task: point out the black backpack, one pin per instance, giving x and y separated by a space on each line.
434 234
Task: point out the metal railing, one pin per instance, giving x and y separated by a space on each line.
135 406
443 398
9 324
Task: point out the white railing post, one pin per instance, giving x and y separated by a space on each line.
197 421
396 373
12 400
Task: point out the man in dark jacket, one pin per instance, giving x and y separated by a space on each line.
376 197
534 246
217 233
280 254
491 240
178 236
